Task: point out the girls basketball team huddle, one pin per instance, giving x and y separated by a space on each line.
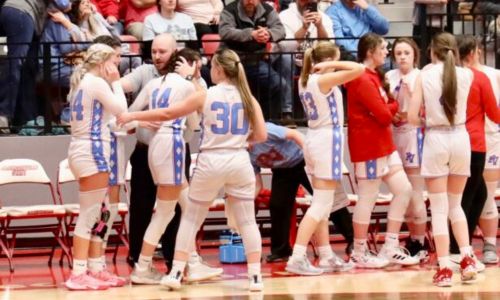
388 117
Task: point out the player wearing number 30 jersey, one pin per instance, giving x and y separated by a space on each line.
231 116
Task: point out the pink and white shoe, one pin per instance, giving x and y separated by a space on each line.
84 282
112 280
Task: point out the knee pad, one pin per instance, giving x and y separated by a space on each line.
456 213
321 205
439 213
113 213
490 210
191 220
90 212
165 211
244 216
368 193
400 187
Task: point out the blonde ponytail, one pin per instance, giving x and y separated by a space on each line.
94 56
230 62
306 67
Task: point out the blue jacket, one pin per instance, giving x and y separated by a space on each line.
355 23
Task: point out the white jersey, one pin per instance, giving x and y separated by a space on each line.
162 92
92 107
396 79
223 122
321 109
432 85
494 77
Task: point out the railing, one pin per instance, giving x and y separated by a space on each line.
54 94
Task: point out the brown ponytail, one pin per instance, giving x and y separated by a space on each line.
444 47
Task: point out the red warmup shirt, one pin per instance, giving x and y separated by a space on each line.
369 118
108 7
481 101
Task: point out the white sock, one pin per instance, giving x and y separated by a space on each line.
178 266
299 251
325 252
466 251
79 266
490 240
144 262
95 265
360 245
392 239
103 262
444 262
254 269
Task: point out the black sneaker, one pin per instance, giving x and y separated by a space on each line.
416 249
274 258
288 121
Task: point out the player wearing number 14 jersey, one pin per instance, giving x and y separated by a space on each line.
230 117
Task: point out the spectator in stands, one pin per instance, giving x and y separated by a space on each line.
110 10
205 15
247 26
135 12
22 23
302 20
180 25
353 19
487 7
434 24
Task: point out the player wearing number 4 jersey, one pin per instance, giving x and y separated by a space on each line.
231 116
93 103
322 100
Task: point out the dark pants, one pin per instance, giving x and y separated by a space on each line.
423 43
268 87
202 29
21 65
473 198
142 201
284 185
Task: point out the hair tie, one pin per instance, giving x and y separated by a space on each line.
236 63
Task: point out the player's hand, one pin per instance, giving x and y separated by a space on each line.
184 69
150 125
110 72
361 3
111 20
124 118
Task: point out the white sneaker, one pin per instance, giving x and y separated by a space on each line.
457 258
302 266
149 276
335 264
197 271
398 255
368 260
172 280
256 284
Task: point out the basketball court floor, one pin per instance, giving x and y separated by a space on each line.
34 280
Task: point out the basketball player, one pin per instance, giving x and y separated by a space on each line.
166 161
443 89
93 103
373 153
230 117
322 101
409 140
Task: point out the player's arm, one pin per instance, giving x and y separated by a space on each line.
296 136
259 131
417 99
340 73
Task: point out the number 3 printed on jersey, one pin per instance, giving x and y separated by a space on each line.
309 106
228 118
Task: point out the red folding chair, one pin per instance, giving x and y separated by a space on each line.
44 213
210 43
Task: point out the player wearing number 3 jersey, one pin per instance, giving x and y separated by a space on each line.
231 116
322 100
